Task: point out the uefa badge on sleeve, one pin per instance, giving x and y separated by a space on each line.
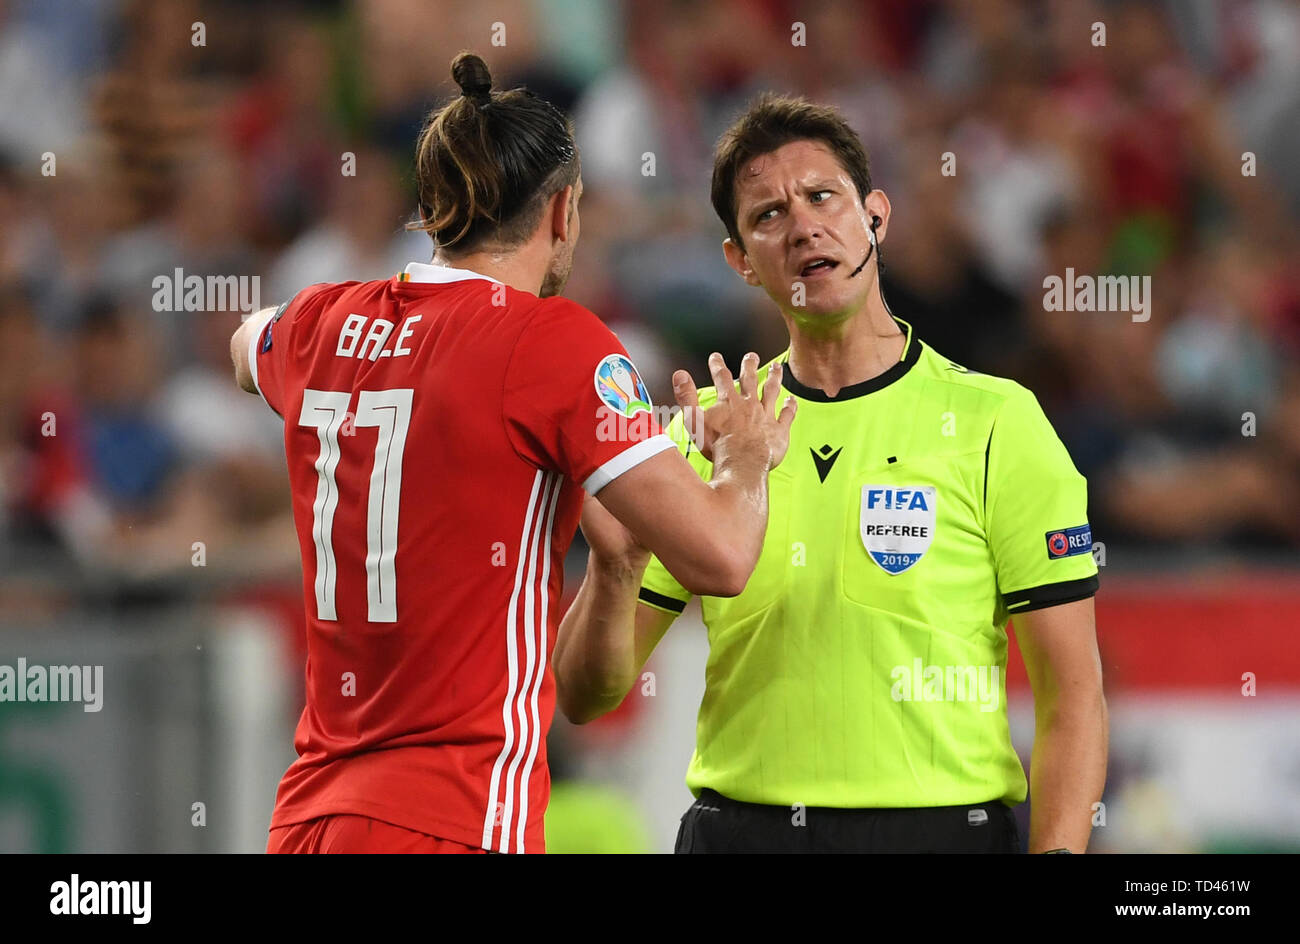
897 524
620 387
1068 542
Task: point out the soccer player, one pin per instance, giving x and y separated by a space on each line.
855 691
441 428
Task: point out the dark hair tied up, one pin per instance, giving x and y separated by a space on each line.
471 74
484 174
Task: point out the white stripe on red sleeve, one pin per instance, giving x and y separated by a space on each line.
629 458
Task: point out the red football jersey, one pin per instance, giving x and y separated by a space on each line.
440 429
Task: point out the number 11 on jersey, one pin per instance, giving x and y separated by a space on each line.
389 411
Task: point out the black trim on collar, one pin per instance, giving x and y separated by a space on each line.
853 391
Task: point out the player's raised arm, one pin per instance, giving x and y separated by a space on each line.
575 403
708 535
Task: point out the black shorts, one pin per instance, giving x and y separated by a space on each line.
717 824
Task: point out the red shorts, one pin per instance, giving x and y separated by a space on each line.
347 833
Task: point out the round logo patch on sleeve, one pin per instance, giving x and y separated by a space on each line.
620 387
1071 541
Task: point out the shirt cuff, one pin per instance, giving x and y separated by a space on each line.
1050 594
630 457
661 601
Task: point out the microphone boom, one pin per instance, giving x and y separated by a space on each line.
864 261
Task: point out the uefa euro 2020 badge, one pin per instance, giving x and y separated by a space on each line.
897 524
620 387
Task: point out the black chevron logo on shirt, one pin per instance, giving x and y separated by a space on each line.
825 460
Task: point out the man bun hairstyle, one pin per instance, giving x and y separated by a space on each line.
769 123
487 162
471 74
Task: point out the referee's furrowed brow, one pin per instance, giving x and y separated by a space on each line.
764 195
752 190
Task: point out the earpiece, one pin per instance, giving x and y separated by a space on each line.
871 235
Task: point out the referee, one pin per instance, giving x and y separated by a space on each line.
855 692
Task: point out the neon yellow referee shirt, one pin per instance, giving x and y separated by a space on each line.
864 665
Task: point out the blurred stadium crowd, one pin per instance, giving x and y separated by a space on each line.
123 440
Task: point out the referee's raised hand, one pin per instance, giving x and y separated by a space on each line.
742 415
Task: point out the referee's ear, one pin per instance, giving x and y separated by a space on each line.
737 259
